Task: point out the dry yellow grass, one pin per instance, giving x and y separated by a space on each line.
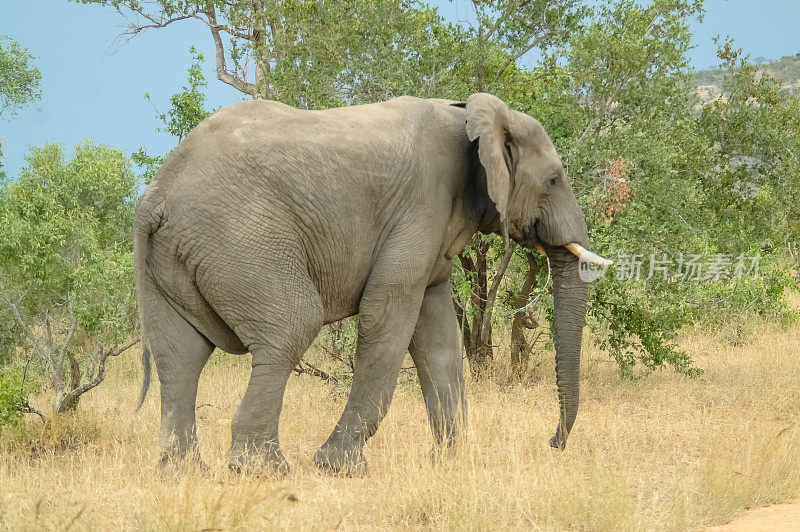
663 452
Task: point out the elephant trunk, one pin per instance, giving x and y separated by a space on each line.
569 314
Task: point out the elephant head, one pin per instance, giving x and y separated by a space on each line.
536 207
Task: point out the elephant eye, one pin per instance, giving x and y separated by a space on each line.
552 180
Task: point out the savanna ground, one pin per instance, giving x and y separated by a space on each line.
665 451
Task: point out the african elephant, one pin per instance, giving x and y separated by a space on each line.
268 221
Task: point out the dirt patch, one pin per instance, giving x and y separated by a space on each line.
778 517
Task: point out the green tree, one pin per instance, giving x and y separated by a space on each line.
631 81
187 109
20 81
314 54
686 192
751 130
66 262
645 159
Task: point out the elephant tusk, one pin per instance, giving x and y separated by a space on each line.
586 255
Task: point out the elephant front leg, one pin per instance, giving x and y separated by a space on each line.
386 322
436 350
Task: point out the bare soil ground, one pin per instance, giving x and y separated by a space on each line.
776 518
661 452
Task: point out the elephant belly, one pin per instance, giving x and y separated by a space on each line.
340 282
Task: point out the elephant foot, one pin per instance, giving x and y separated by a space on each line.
174 463
557 442
349 462
258 457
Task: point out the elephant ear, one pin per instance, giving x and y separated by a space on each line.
487 120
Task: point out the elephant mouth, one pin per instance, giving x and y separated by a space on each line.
583 254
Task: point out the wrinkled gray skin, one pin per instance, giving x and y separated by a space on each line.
267 222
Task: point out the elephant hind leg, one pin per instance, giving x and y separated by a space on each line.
277 324
180 352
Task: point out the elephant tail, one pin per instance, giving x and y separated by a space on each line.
146 378
147 220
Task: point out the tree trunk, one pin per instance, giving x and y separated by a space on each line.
520 349
258 36
463 323
67 402
480 351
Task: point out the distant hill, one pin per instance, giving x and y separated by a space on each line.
786 69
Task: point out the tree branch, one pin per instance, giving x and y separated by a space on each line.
466 262
70 399
47 326
331 353
74 367
27 408
73 323
500 19
155 23
314 371
161 22
490 297
611 98
513 59
466 333
210 11
44 350
21 322
530 280
222 70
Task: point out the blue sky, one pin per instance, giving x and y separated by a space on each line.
94 87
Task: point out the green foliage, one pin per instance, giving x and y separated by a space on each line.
187 107
702 180
338 340
753 184
64 229
617 104
20 81
655 171
327 54
65 253
15 387
640 331
707 181
148 164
